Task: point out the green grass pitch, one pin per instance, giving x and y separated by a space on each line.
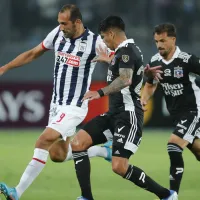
58 180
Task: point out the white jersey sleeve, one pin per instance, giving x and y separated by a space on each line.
48 41
101 44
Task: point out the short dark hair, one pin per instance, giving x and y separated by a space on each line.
74 12
168 28
111 22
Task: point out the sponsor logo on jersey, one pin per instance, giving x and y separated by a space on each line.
172 89
167 72
125 58
178 72
68 59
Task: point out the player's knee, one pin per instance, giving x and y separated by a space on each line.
117 167
81 142
56 156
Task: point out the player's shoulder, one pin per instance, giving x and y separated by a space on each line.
184 55
155 58
55 30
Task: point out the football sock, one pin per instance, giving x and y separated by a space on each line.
141 179
82 166
32 170
176 165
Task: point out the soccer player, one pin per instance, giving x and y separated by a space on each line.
180 85
124 118
75 46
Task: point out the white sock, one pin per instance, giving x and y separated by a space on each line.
32 170
94 151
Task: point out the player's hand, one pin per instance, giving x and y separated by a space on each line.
143 103
153 72
91 95
102 55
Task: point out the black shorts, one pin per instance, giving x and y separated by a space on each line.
187 126
125 128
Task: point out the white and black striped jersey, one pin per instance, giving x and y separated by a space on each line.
181 81
73 67
127 55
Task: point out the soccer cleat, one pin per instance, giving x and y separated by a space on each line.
108 146
9 193
173 196
81 198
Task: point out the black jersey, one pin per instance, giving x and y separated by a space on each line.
181 81
127 55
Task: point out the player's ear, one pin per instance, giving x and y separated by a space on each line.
78 21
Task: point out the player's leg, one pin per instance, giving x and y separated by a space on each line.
35 166
91 134
104 151
183 134
95 151
195 148
59 149
126 140
58 126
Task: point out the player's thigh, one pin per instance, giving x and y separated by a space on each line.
127 134
98 129
186 130
66 119
48 136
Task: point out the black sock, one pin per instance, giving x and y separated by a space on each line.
137 176
176 165
82 166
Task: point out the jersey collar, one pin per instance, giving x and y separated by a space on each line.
176 53
124 43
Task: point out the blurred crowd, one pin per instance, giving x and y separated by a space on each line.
30 19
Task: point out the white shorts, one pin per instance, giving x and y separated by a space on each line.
65 119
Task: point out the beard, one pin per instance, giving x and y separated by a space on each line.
163 53
70 34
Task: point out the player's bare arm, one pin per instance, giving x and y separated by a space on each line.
23 58
124 80
147 92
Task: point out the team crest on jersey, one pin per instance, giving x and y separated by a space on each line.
82 46
125 58
178 72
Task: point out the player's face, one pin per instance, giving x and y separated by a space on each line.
164 43
108 38
68 27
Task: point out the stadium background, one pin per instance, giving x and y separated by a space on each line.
25 93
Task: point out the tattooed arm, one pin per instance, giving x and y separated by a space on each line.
124 80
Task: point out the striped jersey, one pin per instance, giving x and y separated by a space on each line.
73 67
181 81
127 55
